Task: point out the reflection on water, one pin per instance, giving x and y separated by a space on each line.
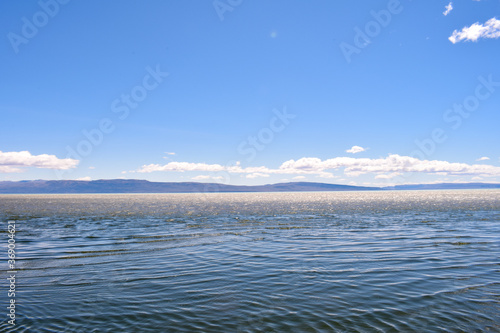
420 261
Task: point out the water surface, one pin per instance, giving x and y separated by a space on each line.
406 261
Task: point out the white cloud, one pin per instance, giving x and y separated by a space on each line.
201 177
205 177
355 150
326 175
484 158
187 166
91 167
13 161
388 176
448 9
257 175
181 166
491 29
390 166
392 163
299 177
169 154
9 169
87 179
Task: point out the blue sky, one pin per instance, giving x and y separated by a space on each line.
251 92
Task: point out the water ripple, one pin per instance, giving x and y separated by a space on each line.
424 261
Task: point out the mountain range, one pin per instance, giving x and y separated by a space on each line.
144 186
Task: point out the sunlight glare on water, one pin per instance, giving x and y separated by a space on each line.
402 261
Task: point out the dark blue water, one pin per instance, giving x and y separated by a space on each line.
421 261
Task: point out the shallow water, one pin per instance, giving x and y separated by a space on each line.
409 261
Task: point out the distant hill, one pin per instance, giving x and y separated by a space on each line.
443 186
144 186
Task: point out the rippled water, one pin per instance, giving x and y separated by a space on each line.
416 261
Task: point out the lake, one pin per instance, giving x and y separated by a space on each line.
381 261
